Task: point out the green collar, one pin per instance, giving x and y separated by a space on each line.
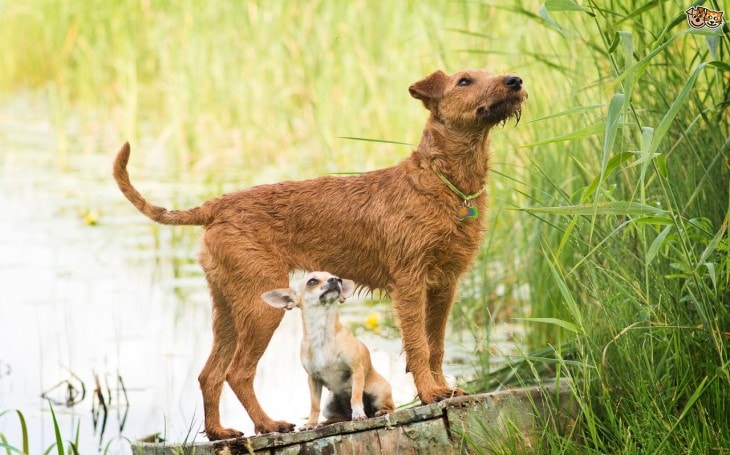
464 197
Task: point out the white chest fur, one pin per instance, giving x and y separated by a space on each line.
322 355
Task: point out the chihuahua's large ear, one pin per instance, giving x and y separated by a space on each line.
348 288
430 90
280 298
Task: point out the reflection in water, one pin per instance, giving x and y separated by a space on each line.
117 306
103 399
69 392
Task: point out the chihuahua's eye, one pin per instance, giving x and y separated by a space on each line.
312 282
464 81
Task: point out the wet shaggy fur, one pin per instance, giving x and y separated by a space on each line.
398 225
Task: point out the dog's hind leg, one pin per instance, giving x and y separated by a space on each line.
213 375
255 322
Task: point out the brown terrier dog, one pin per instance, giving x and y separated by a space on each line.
332 356
412 229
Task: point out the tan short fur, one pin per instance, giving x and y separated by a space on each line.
332 356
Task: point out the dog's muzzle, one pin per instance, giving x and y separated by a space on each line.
514 83
331 290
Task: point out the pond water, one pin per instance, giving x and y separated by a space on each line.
106 317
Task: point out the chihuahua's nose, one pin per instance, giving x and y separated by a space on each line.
513 82
333 280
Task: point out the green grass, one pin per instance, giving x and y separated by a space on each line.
608 229
626 251
60 446
4 444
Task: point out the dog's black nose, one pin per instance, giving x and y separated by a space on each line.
513 82
333 280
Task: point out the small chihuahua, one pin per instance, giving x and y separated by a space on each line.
332 356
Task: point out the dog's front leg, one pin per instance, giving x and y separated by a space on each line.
358 385
440 299
409 301
315 395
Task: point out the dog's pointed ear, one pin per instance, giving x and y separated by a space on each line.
430 90
280 298
348 288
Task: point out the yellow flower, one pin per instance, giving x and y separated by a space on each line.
91 218
372 321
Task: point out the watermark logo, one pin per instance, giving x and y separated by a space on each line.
699 17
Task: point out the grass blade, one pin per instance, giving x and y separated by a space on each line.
615 109
656 244
8 448
564 290
563 5
57 431
545 15
381 141
615 161
554 321
664 124
24 431
687 407
588 131
24 435
641 65
575 110
635 209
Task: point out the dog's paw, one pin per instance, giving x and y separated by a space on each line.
274 426
382 412
440 394
308 426
358 413
216 434
451 393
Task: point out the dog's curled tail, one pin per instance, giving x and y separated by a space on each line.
200 215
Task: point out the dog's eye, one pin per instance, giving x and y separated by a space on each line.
464 81
312 282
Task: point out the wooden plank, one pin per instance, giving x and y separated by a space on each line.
460 425
429 437
480 422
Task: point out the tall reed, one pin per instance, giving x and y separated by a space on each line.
625 243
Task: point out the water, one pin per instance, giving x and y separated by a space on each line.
99 304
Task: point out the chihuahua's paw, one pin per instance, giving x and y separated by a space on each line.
382 412
358 413
308 426
274 426
216 434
